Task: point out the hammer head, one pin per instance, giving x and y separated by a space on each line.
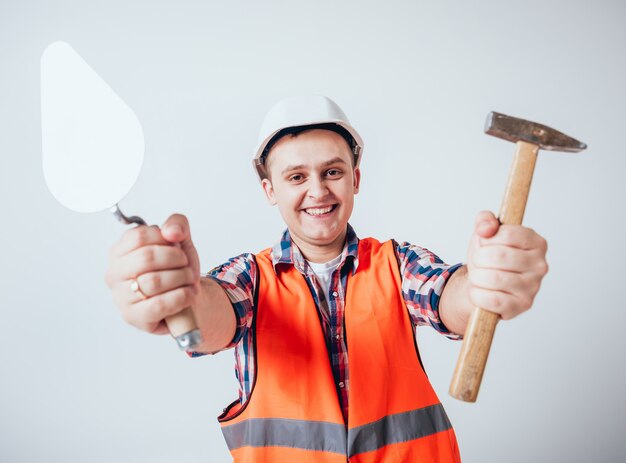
514 129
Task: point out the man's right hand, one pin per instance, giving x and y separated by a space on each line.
165 264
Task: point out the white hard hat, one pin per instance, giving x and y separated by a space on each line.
311 111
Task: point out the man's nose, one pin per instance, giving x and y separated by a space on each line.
318 188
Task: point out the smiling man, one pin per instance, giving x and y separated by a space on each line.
323 323
313 184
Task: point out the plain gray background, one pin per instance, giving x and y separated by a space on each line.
417 79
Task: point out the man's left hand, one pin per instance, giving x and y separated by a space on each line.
506 264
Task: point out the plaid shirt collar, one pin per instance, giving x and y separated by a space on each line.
287 252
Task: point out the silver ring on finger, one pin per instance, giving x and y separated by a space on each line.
134 286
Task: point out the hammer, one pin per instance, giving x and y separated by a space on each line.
529 137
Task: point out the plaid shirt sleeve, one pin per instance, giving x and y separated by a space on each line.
424 276
237 277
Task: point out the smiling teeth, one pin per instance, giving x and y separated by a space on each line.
319 211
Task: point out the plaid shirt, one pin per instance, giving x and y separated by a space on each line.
423 277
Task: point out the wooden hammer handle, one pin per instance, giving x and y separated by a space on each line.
482 324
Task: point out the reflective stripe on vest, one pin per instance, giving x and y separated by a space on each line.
300 434
401 427
331 437
293 411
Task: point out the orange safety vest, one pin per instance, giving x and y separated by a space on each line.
293 412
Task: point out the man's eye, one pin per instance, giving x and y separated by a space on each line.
333 172
295 178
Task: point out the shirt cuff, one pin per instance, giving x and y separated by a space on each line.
441 327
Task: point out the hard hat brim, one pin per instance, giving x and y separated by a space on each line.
356 145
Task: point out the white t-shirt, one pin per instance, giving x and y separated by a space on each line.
324 271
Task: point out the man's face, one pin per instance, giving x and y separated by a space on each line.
313 182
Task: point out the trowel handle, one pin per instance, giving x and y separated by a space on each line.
184 329
182 325
470 366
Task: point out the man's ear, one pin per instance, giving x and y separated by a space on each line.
357 179
269 191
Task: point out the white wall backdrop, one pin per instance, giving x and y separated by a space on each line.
417 79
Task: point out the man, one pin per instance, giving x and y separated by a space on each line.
323 323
